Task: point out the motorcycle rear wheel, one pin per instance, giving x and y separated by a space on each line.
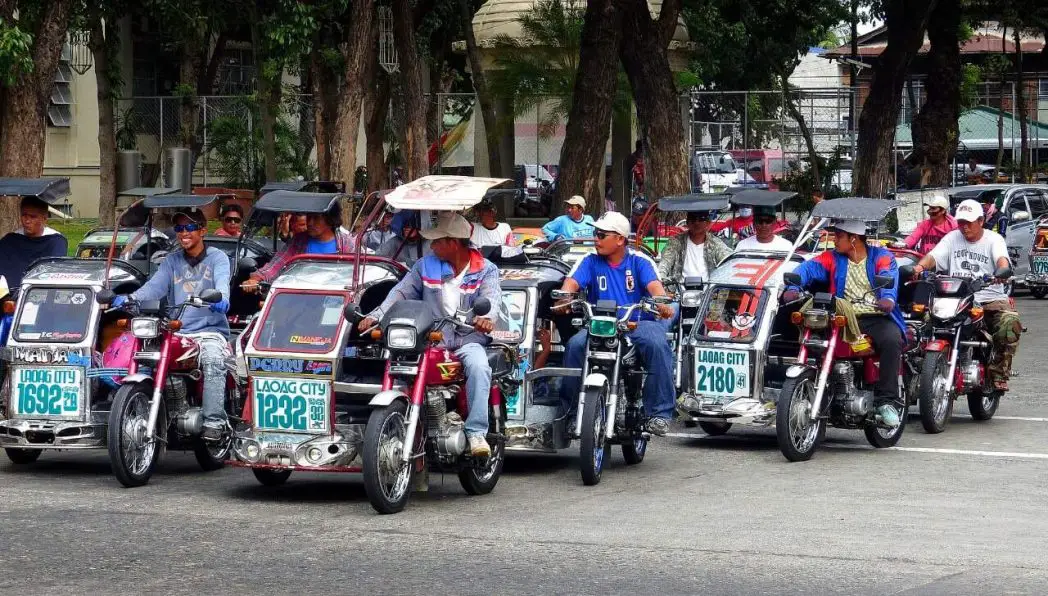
881 437
1039 292
387 479
593 445
797 428
132 457
212 456
935 402
481 481
271 477
983 406
22 456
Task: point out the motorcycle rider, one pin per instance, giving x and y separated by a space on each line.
185 273
575 223
322 237
850 269
450 279
618 273
930 232
488 231
972 251
764 237
695 253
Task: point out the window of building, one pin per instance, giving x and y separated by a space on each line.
60 104
236 75
1042 88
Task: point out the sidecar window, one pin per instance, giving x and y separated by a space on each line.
731 314
52 315
301 322
512 317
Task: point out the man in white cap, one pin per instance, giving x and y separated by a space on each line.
930 232
449 280
850 269
972 251
625 276
573 224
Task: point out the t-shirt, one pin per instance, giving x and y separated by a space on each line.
500 236
626 283
961 258
777 244
319 247
857 288
695 260
451 292
565 227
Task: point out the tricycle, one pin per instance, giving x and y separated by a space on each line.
1037 279
131 241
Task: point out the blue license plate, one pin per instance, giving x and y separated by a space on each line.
46 392
291 405
1039 264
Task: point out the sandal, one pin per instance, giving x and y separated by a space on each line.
1000 385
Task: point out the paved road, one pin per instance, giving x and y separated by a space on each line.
957 513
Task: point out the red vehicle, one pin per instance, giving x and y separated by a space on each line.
766 166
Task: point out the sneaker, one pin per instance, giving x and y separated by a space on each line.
657 426
212 431
689 403
478 446
889 416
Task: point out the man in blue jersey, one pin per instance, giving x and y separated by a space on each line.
573 224
620 274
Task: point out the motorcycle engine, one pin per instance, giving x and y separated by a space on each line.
971 374
446 428
851 402
842 380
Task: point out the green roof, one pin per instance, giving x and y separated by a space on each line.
978 130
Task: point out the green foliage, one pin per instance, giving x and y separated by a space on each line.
802 181
16 53
127 124
971 76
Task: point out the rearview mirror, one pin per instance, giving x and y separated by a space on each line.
881 282
481 307
211 296
105 296
791 278
1021 216
352 313
247 264
1003 272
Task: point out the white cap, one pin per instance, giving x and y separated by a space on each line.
613 221
577 200
939 200
449 225
968 210
852 226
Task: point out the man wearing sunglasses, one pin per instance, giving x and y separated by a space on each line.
185 273
930 232
232 217
695 253
620 274
764 238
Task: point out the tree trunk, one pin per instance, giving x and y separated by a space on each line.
189 108
1000 112
1020 100
359 54
415 149
24 109
105 44
935 130
268 94
375 130
321 81
906 22
644 56
589 120
485 101
802 124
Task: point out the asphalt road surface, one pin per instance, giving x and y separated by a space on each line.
963 512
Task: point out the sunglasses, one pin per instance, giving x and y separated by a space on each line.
601 234
188 228
232 220
764 221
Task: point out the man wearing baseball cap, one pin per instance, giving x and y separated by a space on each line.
620 274
764 237
972 251
850 269
930 232
573 224
185 273
449 280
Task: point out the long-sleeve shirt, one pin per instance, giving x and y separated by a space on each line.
565 227
179 277
927 234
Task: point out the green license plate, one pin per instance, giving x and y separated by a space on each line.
722 373
1039 264
291 405
47 392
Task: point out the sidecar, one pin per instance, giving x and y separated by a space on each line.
1037 278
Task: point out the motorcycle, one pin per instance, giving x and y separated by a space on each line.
611 371
417 420
158 403
956 352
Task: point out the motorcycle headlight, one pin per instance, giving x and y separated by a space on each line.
603 326
143 328
816 319
400 338
691 298
945 308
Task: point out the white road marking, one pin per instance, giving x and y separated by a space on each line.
1020 418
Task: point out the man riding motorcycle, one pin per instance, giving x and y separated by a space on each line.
448 280
620 274
185 273
973 251
850 269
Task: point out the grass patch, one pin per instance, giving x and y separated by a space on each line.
75 229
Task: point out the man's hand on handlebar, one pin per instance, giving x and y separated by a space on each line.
483 324
366 323
665 311
790 296
251 285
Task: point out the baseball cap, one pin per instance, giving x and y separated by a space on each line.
194 215
577 200
852 226
449 225
613 221
938 200
968 210
764 211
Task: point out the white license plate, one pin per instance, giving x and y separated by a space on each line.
47 392
1039 264
291 405
722 373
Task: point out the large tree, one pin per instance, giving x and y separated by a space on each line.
406 18
102 21
359 55
935 128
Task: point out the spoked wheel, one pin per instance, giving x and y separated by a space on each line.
271 477
715 429
935 401
593 447
132 453
1039 292
633 451
22 456
882 437
387 478
482 479
212 455
983 405
797 427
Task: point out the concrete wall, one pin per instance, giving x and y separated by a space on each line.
73 151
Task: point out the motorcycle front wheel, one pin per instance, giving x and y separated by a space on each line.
935 401
983 405
797 427
133 455
387 478
593 446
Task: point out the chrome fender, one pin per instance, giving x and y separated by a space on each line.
137 378
387 397
595 380
796 370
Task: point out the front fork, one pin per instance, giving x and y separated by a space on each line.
159 378
613 396
954 352
415 408
824 372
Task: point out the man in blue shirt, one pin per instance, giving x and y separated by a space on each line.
573 224
620 274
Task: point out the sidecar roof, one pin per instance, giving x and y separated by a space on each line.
856 208
297 202
760 198
442 193
694 202
48 190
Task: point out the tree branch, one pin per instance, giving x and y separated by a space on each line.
206 82
667 23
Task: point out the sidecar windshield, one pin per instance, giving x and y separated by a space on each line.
511 320
54 315
301 322
731 314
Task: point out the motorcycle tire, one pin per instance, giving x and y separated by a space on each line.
271 477
379 441
22 456
715 429
212 456
983 407
1039 292
934 414
130 413
802 446
882 438
481 481
593 445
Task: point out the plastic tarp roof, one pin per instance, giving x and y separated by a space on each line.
298 202
49 190
855 208
442 193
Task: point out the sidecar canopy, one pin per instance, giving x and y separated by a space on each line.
856 208
48 190
752 197
179 201
694 202
443 193
315 186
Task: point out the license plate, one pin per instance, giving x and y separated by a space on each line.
1039 264
291 405
722 373
47 392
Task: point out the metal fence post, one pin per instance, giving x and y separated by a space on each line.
160 158
204 149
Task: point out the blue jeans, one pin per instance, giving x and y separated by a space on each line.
478 387
650 339
213 365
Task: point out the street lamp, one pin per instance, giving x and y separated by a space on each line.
81 58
